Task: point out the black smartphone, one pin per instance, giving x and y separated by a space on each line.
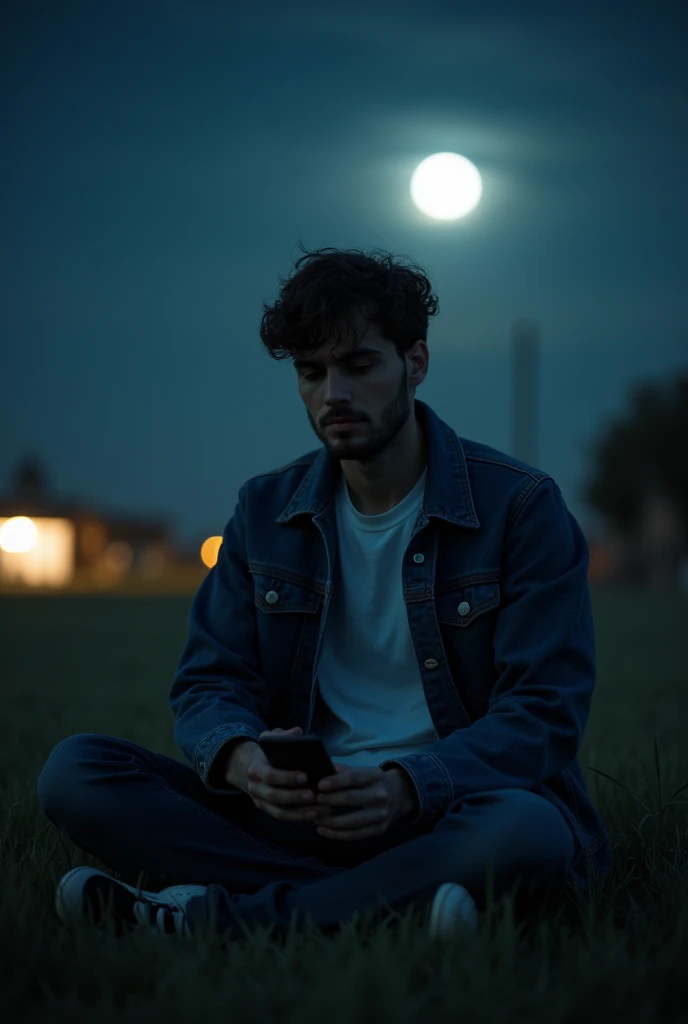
305 754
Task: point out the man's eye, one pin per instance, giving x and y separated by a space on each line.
354 369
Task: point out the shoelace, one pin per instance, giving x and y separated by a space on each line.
168 920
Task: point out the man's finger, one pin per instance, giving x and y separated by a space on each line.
370 797
349 779
332 829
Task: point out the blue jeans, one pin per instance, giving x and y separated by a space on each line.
151 819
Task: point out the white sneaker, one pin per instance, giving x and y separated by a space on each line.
83 894
452 908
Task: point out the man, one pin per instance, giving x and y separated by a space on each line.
417 600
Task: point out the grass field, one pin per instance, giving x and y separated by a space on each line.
104 664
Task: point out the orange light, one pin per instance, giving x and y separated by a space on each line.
39 551
18 534
209 551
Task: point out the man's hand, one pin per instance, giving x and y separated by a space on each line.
383 796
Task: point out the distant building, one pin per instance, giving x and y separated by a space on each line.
46 541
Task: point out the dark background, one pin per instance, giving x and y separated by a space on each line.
162 161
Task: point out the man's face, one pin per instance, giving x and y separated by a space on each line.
367 383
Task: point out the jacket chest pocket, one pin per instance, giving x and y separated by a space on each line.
287 617
276 596
460 606
466 614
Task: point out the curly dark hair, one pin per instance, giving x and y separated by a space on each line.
315 302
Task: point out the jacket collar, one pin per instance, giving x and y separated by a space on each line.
447 487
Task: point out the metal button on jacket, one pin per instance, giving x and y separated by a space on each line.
464 608
419 558
272 596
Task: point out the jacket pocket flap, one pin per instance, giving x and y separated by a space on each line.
275 594
461 605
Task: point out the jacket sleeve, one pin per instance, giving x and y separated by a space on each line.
217 694
544 652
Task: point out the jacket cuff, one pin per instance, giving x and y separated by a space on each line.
433 785
386 765
212 751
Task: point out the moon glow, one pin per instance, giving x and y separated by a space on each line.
446 186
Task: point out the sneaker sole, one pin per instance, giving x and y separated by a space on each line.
452 908
77 895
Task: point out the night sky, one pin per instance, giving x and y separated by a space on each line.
162 161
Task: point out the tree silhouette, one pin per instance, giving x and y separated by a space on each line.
643 451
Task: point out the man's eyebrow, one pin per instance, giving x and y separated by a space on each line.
362 351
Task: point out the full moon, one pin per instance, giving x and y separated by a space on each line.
446 186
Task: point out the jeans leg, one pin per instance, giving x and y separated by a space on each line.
151 819
515 835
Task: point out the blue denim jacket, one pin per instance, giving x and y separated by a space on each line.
508 685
